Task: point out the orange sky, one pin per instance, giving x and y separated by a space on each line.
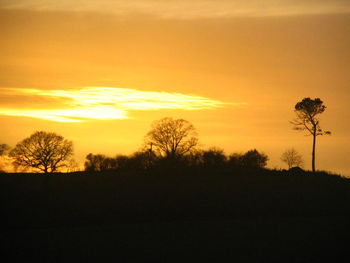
235 69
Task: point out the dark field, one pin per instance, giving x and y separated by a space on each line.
171 218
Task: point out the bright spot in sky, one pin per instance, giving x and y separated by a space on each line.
105 103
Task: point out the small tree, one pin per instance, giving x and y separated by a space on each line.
307 112
44 151
99 162
4 148
235 160
171 138
95 162
213 157
292 158
254 159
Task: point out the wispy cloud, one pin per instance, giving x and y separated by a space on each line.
103 103
188 9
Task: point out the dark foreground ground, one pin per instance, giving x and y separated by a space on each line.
132 218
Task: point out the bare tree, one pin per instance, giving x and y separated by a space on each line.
172 138
307 112
44 151
292 158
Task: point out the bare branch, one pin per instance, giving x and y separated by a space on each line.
172 138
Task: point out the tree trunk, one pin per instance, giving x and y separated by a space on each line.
314 150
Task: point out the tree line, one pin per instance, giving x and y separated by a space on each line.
213 158
169 143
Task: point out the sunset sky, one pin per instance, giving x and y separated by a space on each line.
99 72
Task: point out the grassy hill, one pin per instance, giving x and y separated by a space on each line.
257 217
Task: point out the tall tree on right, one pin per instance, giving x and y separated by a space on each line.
307 118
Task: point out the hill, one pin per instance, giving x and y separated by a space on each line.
265 216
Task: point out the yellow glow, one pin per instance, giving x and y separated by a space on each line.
239 54
105 103
73 115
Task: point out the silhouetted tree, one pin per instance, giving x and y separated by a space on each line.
213 157
171 138
235 160
99 162
194 159
44 151
4 148
122 161
292 158
142 160
254 159
90 163
307 112
250 159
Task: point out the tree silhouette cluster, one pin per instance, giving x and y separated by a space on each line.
171 143
205 160
100 162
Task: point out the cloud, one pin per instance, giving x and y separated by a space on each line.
11 97
101 103
188 9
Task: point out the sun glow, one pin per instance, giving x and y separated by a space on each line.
106 103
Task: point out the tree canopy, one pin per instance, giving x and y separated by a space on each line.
171 138
43 151
250 159
307 112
